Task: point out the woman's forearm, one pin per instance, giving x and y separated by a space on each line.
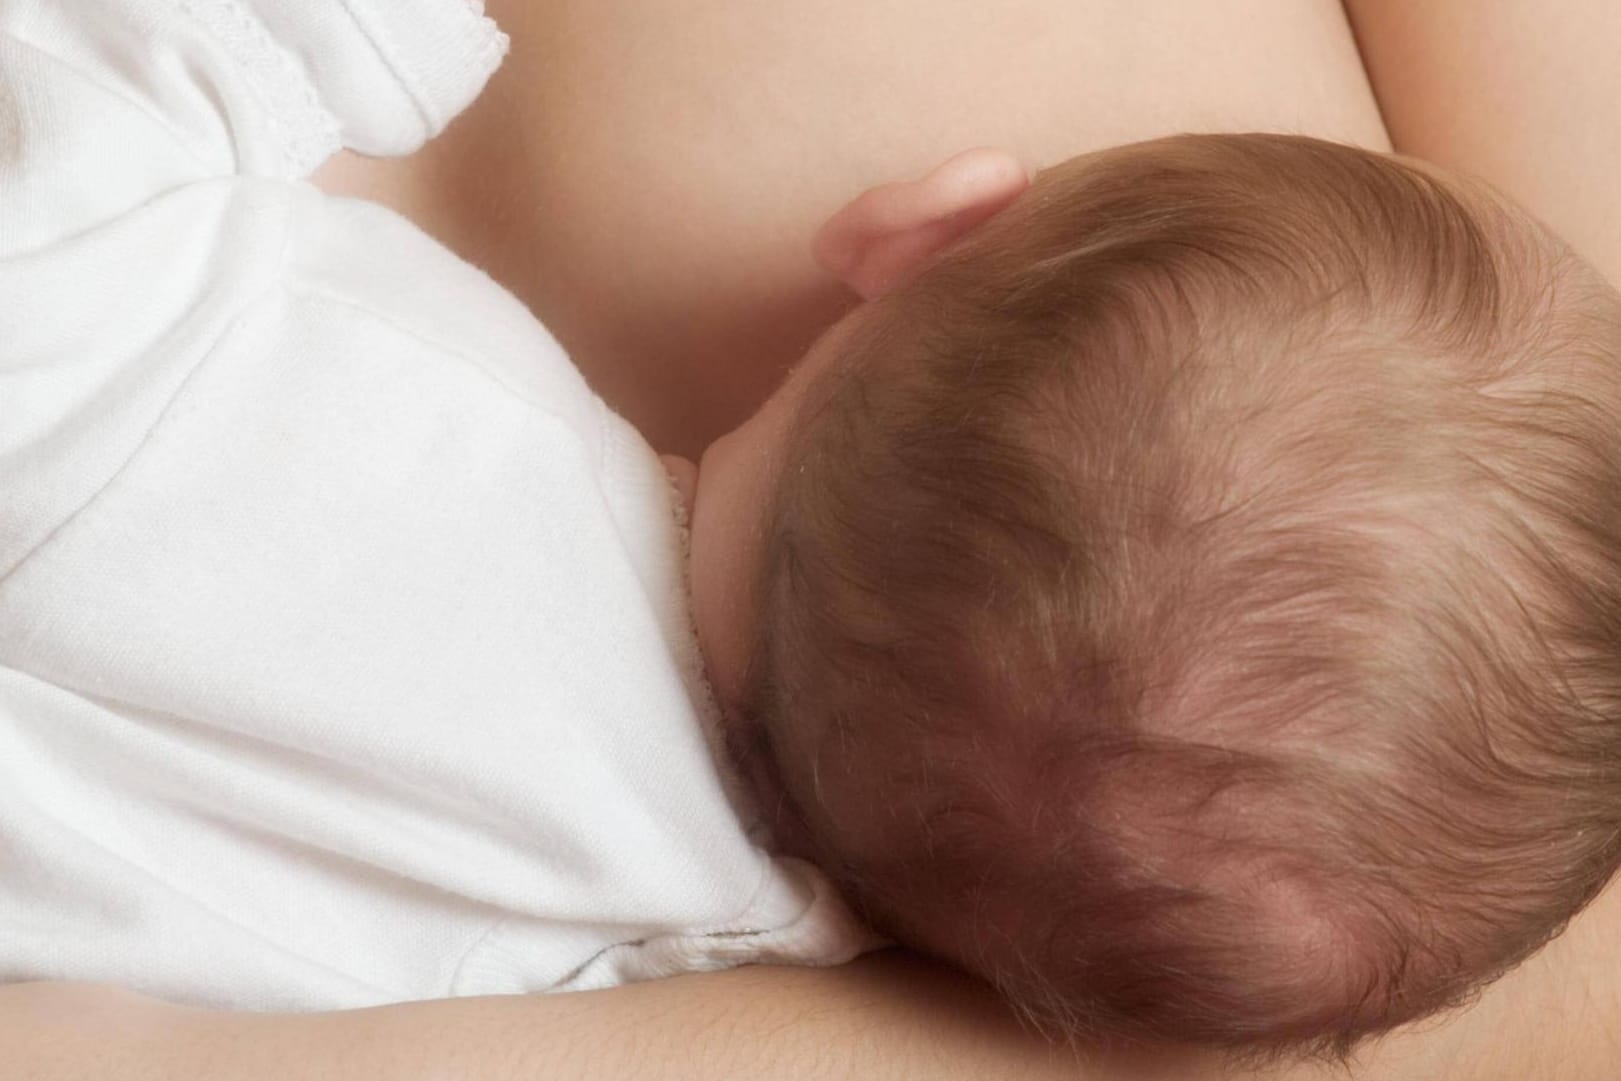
1521 92
886 1018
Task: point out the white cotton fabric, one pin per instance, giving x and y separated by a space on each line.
344 651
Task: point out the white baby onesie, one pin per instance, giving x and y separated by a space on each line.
344 652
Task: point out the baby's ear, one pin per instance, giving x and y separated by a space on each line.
888 234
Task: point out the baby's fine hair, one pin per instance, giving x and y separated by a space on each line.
1194 604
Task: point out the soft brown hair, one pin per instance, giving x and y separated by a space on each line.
1194 605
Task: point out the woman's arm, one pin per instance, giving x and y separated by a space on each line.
887 1018
1524 93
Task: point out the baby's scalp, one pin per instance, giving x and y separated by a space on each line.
1195 606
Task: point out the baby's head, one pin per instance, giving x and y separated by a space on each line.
1193 603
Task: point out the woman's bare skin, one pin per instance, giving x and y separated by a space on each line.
648 174
1526 97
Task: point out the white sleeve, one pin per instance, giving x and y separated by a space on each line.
148 153
104 103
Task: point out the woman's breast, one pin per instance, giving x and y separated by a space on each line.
648 174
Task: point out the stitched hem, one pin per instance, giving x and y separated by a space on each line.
441 51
